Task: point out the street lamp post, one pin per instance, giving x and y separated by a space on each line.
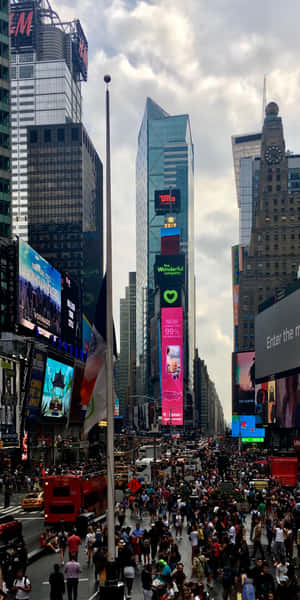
112 587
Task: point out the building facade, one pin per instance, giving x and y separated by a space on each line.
5 199
126 374
48 62
65 204
244 149
165 161
208 408
269 262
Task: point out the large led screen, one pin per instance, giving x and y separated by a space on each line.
57 390
169 271
243 383
277 337
167 203
288 401
245 426
172 365
39 292
34 396
265 402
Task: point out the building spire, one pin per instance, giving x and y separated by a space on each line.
264 100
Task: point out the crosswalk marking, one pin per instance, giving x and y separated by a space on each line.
81 579
10 510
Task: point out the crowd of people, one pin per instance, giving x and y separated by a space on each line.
212 534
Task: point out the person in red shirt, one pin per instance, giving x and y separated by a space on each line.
73 543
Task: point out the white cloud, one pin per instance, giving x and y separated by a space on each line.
203 58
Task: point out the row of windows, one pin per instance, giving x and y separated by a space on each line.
49 135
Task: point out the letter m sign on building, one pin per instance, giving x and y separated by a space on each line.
22 26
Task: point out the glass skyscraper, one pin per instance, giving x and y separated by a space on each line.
46 73
165 160
5 121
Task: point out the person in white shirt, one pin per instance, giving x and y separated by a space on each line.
21 586
279 542
281 570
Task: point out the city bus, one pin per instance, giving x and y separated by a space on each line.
68 496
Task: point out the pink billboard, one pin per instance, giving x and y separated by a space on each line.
172 365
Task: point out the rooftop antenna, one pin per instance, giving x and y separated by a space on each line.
264 102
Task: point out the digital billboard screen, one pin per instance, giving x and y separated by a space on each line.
9 406
57 390
243 383
170 297
71 322
172 365
166 202
169 271
246 426
277 337
80 48
39 292
265 402
288 401
34 397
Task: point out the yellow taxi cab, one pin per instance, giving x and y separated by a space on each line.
33 500
121 477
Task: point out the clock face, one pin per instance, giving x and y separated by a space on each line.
273 154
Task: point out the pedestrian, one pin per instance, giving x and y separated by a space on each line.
21 586
147 582
257 545
62 544
72 573
57 584
73 542
129 575
89 544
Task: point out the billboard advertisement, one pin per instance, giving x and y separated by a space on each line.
246 426
39 292
33 400
57 390
170 297
86 334
76 414
243 383
288 401
22 26
80 49
71 311
169 271
167 201
265 402
172 365
277 337
9 394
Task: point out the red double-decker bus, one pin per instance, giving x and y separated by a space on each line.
68 496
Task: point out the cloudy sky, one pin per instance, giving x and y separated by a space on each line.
206 58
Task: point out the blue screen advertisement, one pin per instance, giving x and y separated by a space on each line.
245 426
57 390
39 292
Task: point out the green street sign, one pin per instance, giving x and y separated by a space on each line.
170 296
248 440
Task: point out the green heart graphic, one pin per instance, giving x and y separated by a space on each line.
170 296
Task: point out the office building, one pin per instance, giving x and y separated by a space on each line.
5 204
209 417
48 62
165 161
125 380
244 149
269 263
65 219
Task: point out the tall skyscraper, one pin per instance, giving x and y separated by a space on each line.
48 62
126 388
244 149
5 208
270 262
165 161
65 204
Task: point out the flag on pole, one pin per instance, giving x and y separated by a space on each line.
93 387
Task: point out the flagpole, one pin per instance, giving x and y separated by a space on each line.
109 349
